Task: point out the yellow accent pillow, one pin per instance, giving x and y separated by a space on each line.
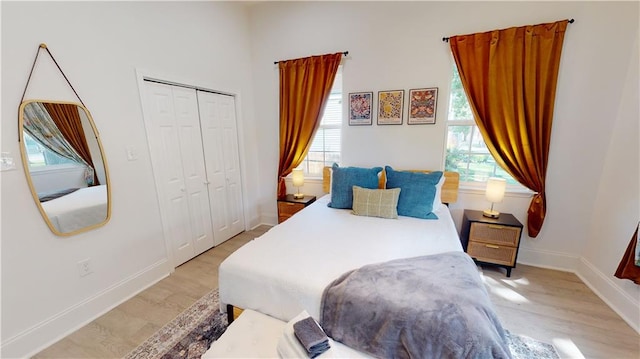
375 202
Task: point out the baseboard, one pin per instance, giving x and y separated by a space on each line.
548 259
270 220
605 287
262 224
37 338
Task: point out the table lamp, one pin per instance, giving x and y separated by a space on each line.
494 193
298 181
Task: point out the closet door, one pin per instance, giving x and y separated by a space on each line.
173 130
220 141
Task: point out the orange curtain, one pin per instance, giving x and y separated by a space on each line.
305 85
67 119
509 77
628 267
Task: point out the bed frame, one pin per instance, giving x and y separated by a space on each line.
449 188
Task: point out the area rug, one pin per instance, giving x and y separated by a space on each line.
523 347
191 333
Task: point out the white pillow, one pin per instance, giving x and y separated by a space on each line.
437 199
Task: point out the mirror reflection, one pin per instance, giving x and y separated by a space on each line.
65 166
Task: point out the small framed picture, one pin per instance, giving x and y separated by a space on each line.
360 108
390 107
422 106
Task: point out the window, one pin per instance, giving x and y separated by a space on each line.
41 157
466 152
325 147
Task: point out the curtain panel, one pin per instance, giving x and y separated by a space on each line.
510 77
629 267
39 124
67 119
305 85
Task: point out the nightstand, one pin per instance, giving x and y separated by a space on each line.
288 206
491 240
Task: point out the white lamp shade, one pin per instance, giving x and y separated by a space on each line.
297 177
495 189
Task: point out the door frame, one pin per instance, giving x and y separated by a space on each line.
170 79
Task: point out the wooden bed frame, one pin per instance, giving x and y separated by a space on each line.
449 188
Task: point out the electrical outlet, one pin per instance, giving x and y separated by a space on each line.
84 267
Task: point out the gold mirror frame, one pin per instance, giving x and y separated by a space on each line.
75 198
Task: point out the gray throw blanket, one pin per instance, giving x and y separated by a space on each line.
424 307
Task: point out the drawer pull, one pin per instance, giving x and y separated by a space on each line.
491 246
495 226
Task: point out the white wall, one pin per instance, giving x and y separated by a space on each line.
398 45
99 45
615 214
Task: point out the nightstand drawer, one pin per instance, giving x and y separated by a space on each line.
289 205
492 253
288 208
494 233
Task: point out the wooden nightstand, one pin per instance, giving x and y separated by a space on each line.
491 240
288 206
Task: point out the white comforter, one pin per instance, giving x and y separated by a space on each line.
82 208
285 271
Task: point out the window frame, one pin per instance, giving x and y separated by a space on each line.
68 164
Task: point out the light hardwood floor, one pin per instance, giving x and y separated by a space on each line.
122 329
552 306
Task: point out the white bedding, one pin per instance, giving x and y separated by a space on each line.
255 335
82 208
286 270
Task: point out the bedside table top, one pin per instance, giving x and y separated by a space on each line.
306 200
504 219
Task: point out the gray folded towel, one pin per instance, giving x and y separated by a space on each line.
311 336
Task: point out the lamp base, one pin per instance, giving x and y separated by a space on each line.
491 213
298 195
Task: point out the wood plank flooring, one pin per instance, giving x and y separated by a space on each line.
122 329
558 308
552 306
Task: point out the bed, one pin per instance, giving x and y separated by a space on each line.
79 209
395 286
286 269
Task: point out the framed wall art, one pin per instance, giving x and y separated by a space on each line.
422 106
390 107
360 108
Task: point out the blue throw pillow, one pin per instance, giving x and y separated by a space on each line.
417 194
344 178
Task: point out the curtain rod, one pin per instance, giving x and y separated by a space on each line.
446 39
345 53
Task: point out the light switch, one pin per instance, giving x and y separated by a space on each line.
6 162
132 153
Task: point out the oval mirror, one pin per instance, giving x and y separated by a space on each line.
65 165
